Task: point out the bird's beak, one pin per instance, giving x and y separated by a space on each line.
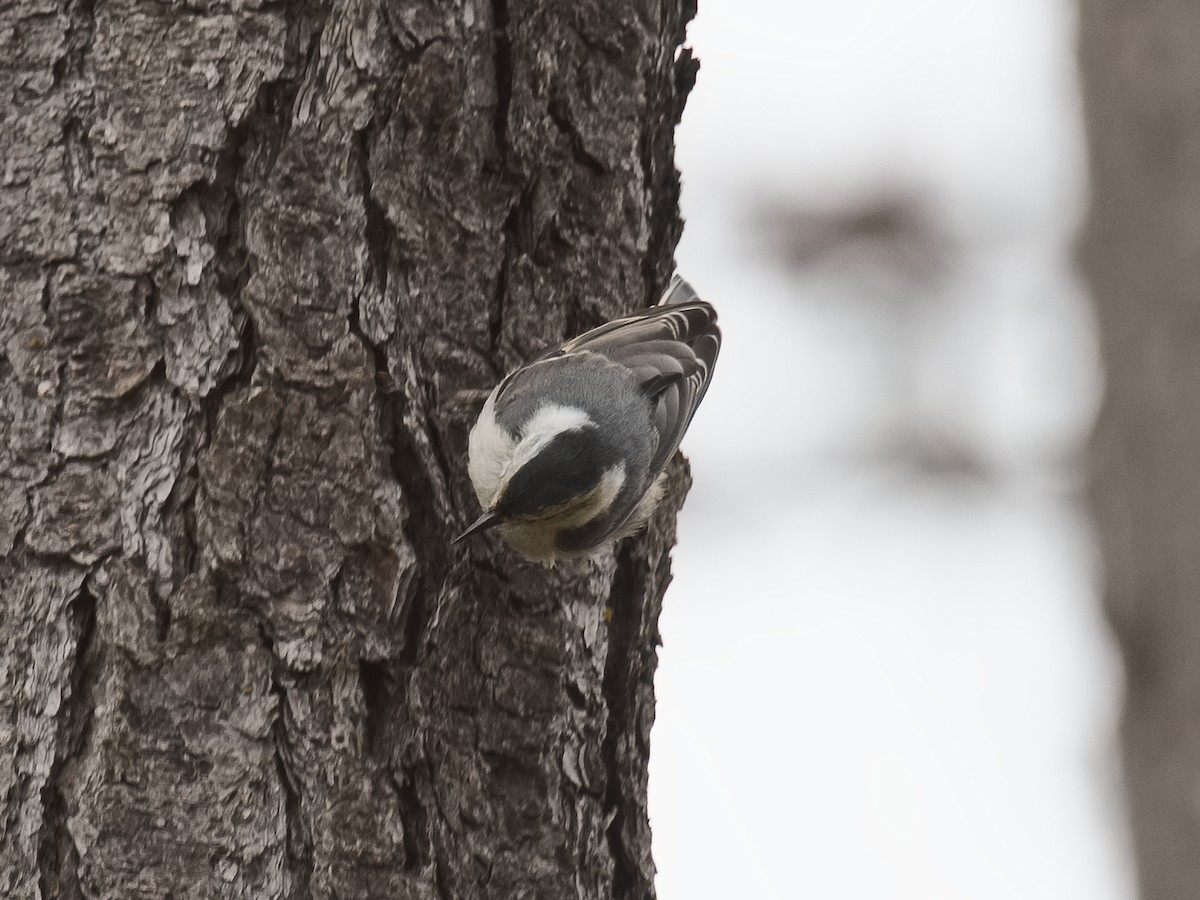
489 519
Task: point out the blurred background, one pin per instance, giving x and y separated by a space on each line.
885 672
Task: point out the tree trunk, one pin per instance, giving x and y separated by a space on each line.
1141 252
253 257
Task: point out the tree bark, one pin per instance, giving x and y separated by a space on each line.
253 257
1141 253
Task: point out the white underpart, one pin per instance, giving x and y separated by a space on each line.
611 483
644 509
493 455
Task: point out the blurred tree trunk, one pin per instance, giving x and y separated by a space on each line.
252 256
1141 252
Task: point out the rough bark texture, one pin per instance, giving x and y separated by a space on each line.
1141 252
253 257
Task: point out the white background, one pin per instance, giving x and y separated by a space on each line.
885 673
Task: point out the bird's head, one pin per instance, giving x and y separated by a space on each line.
561 474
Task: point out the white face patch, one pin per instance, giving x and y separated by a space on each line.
489 450
493 456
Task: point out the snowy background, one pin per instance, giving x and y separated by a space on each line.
885 673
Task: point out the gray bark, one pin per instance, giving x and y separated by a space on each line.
1141 253
252 256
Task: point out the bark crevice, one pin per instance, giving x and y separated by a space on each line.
618 689
298 839
419 465
502 50
418 855
561 117
502 67
79 38
78 159
60 376
378 235
57 855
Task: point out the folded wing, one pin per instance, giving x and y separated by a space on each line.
671 348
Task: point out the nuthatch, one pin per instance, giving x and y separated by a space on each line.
568 453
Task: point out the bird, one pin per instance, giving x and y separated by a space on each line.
569 451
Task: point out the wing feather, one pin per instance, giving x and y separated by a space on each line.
671 349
